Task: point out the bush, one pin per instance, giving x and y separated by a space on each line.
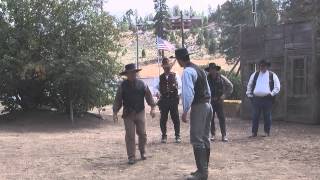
53 54
237 85
143 53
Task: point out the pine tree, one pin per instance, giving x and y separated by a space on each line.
161 18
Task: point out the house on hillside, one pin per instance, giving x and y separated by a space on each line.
188 22
294 51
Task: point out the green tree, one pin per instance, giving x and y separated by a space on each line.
61 54
143 53
200 39
161 18
267 12
176 10
297 10
129 15
234 13
212 46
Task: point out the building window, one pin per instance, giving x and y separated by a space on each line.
299 79
252 68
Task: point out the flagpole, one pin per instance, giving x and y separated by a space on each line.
158 56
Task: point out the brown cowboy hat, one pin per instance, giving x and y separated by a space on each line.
212 66
130 68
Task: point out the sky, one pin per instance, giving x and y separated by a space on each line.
145 7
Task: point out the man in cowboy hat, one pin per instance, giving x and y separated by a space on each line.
263 86
196 96
168 89
221 87
131 94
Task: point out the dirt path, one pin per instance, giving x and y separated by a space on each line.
48 147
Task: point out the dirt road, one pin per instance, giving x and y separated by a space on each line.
46 146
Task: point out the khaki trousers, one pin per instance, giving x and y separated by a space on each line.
135 123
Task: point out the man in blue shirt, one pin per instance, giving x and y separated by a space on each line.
196 96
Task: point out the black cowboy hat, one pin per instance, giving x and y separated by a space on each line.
130 68
181 53
264 62
212 66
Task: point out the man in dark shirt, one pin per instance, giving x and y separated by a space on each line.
221 87
131 94
167 89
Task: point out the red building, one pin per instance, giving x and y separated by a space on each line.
188 22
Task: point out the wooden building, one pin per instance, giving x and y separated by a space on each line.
188 22
294 51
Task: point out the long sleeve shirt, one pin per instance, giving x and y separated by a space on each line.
220 87
156 85
189 78
118 102
262 87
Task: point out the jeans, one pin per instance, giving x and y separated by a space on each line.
217 107
261 105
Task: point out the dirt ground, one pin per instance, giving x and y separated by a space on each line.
46 146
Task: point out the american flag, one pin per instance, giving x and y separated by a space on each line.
165 45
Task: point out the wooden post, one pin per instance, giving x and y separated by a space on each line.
71 111
234 66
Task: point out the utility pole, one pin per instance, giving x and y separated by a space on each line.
137 38
254 12
182 27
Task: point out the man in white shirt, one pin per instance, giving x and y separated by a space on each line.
262 88
167 89
196 96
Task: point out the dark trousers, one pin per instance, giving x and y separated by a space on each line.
261 105
167 105
217 107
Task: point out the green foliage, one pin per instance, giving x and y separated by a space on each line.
267 12
297 10
237 84
200 39
176 10
143 53
52 53
161 18
232 14
212 46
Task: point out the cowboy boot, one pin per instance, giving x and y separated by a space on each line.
208 159
202 165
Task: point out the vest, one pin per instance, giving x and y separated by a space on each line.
216 86
201 90
133 95
168 87
255 78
